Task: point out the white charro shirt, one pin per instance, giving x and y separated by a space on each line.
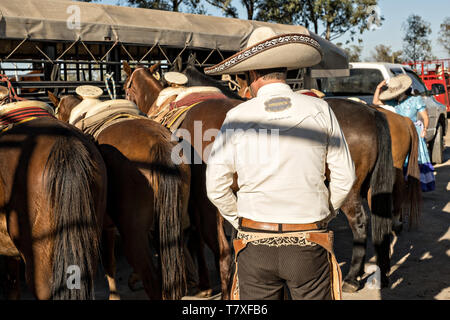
278 144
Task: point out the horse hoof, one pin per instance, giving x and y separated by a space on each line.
114 296
350 287
204 294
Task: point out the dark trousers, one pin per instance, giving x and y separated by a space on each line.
263 271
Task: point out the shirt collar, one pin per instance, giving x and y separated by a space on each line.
272 88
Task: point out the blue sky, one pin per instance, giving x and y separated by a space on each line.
395 13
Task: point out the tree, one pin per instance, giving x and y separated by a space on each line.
384 54
353 52
444 34
337 17
416 46
169 5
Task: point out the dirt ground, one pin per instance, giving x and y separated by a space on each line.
420 259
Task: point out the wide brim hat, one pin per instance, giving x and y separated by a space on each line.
89 92
266 49
175 78
4 92
396 87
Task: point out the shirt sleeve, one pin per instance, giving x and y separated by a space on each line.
340 164
219 175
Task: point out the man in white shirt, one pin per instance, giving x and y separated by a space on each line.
279 143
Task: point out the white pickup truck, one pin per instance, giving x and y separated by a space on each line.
362 82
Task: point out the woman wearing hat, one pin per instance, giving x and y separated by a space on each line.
398 95
278 143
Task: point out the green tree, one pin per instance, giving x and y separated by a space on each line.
336 17
417 45
169 5
384 53
353 51
444 34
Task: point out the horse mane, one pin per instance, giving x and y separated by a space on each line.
197 78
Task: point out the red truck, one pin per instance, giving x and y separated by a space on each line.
435 74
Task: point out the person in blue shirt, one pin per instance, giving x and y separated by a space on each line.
398 95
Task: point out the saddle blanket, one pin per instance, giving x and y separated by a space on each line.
173 103
18 112
95 117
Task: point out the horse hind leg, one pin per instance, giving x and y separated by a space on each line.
109 260
12 284
399 202
224 258
357 220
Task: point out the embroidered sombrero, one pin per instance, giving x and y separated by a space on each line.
396 87
266 50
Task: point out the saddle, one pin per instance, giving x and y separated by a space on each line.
172 103
96 117
14 113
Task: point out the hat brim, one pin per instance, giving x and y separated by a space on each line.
391 94
291 51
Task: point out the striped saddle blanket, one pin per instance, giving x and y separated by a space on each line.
14 113
173 103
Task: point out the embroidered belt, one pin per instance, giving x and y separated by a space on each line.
278 227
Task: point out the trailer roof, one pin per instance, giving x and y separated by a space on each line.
55 20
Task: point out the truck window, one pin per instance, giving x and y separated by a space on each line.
417 85
396 71
360 82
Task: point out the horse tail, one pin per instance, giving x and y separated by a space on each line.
381 185
167 179
414 190
70 171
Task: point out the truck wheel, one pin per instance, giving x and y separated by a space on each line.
437 155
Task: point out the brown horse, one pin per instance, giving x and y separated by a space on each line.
30 76
373 168
407 194
147 198
52 199
207 224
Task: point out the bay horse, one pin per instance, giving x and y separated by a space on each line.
52 200
407 193
363 128
206 222
147 199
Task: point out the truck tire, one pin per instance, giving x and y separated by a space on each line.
437 153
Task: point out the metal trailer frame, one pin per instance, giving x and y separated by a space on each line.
66 59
